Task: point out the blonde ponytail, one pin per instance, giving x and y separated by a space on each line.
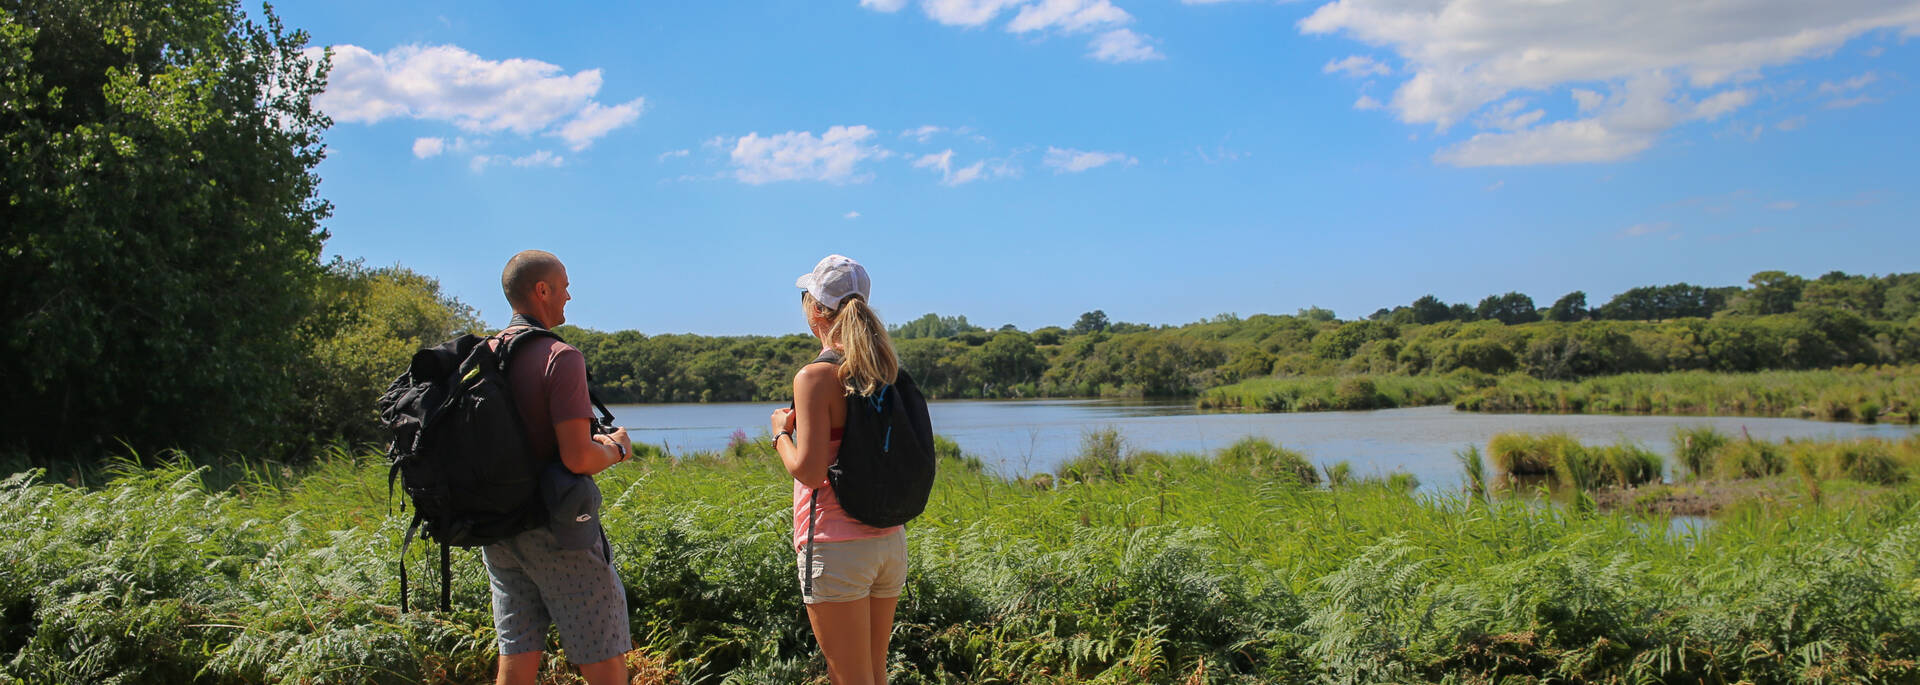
859 334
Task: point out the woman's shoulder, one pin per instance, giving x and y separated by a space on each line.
818 372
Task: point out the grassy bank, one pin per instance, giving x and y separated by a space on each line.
1341 393
1867 395
1162 568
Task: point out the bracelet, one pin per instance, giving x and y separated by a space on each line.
789 434
622 449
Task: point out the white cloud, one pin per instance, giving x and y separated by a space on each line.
1064 160
1855 83
1638 230
1721 103
983 169
801 156
1791 123
670 154
1356 66
1464 55
597 120
1122 45
1626 122
1071 16
1587 100
1111 42
851 215
424 148
1508 117
965 12
447 83
923 133
538 158
1366 102
1847 103
1496 185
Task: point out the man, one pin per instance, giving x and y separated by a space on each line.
537 578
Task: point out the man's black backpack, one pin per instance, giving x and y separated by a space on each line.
460 451
884 472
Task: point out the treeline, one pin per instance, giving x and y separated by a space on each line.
1811 326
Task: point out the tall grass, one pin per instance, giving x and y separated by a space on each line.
1190 569
1340 393
1865 395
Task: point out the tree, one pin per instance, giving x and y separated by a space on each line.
162 224
1429 309
1570 307
1509 309
931 325
1773 292
364 328
1091 322
1650 303
1316 314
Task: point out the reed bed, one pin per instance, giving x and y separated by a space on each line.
1341 393
1186 569
1862 394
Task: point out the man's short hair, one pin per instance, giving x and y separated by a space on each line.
524 270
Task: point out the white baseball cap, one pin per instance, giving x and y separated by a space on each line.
834 278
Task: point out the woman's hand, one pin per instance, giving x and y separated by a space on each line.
782 420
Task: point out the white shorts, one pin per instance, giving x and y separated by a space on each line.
855 569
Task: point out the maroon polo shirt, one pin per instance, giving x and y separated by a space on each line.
549 381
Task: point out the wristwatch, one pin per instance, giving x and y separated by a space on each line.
622 449
776 437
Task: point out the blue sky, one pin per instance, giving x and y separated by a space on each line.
1025 161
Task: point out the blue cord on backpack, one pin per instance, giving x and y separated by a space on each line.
886 444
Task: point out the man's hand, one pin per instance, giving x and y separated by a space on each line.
617 437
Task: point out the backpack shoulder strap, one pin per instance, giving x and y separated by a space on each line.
829 356
509 342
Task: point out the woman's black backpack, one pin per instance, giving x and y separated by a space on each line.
885 468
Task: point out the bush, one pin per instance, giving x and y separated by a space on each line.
1749 458
1263 459
1694 448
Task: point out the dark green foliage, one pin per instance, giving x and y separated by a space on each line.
1429 309
162 226
1773 292
1651 303
933 325
1510 309
1570 307
1091 322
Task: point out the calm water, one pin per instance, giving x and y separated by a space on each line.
1026 436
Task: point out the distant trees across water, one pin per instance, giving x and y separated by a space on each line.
1779 322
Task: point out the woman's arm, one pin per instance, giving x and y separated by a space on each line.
808 454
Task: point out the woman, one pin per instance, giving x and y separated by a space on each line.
850 573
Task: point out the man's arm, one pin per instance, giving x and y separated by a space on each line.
585 453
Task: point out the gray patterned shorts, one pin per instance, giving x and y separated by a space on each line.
537 583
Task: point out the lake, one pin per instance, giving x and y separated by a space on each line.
1016 437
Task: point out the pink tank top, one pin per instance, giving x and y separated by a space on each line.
830 522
